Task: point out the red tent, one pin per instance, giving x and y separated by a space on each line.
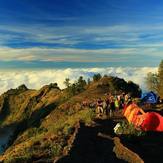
150 121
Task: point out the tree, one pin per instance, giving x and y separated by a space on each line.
152 82
88 81
72 90
97 77
76 87
81 83
134 89
160 79
67 82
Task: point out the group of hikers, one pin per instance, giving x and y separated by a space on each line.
109 104
129 108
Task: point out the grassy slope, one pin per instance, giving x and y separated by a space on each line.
48 139
48 118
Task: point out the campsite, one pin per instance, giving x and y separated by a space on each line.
145 146
81 81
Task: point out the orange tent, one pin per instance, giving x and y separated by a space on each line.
133 113
150 121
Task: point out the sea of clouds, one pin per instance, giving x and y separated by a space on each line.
35 79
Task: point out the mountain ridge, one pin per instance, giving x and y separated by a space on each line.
45 119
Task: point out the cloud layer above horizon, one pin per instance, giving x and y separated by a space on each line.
122 44
35 79
81 31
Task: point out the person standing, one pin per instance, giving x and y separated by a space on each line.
116 103
112 106
107 106
99 107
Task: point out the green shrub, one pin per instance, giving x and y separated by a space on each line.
130 130
97 77
67 130
25 158
56 149
35 131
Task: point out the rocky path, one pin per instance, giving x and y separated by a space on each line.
90 148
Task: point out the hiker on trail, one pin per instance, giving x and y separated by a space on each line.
107 105
85 103
92 105
118 97
122 101
112 106
126 98
99 107
116 103
104 106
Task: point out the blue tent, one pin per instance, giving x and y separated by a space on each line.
149 97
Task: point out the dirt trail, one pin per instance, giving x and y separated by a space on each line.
88 147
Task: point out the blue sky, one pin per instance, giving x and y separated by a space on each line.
76 33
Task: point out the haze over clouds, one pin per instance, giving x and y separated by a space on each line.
35 79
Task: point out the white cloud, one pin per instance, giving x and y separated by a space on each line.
37 78
115 43
125 35
124 40
73 54
63 54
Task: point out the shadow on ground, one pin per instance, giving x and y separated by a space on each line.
148 147
89 148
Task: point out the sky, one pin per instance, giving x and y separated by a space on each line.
80 33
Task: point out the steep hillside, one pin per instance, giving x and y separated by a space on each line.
45 121
21 103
